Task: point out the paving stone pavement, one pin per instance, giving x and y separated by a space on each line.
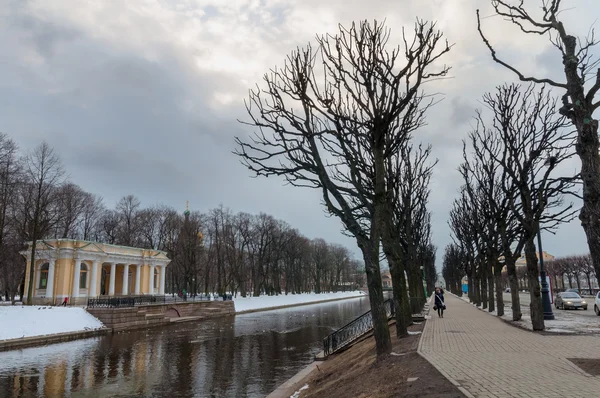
486 357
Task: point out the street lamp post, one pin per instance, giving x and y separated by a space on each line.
548 314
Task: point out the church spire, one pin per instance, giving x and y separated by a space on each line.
186 213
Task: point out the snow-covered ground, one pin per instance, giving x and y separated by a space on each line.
255 303
20 321
573 321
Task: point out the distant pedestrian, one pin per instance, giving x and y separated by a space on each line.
64 303
439 302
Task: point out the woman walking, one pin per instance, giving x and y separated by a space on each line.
439 301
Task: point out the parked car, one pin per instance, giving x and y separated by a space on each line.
566 300
597 304
572 290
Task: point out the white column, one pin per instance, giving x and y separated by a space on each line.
50 283
125 279
151 280
94 280
111 286
76 276
161 289
138 272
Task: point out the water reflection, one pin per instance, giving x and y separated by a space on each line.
247 355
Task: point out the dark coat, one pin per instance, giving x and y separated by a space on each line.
439 299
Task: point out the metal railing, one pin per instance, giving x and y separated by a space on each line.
111 302
353 330
131 301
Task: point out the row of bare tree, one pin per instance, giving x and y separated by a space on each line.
214 252
340 117
573 269
514 185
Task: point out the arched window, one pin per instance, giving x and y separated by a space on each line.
43 276
83 276
156 277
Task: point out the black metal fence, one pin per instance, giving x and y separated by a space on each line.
111 302
131 301
353 330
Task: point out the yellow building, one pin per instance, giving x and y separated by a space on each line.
522 262
79 269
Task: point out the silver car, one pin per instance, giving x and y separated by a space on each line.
566 300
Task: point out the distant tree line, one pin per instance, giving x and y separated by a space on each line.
214 252
573 270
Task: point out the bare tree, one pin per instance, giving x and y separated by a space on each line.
453 268
10 178
71 202
409 174
349 121
44 173
127 209
579 104
92 211
534 141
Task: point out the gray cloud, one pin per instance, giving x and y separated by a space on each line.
147 102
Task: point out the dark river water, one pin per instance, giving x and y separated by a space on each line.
243 356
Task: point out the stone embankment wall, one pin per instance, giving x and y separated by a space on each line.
118 319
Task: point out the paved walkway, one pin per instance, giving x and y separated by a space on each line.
490 358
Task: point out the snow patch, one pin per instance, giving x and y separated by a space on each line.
413 333
282 300
43 320
297 393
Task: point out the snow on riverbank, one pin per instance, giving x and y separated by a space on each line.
20 321
256 303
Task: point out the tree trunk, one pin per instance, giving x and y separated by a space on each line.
499 290
484 290
401 301
381 329
513 281
491 306
415 285
477 289
31 271
578 280
535 292
587 275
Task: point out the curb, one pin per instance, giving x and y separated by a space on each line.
34 341
282 390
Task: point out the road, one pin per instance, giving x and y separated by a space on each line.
562 314
569 321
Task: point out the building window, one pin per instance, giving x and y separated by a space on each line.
83 276
44 276
156 277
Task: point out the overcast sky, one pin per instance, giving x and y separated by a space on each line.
141 97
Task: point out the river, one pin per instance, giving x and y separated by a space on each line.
248 355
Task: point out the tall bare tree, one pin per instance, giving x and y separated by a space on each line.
93 208
10 178
71 206
579 102
44 173
531 141
333 129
